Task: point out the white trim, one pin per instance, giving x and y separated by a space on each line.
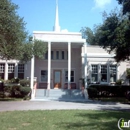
69 64
70 75
49 66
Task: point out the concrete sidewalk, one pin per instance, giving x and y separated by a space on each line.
60 105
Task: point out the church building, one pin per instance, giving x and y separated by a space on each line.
68 60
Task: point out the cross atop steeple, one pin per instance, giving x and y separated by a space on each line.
56 26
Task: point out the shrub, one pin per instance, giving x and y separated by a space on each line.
24 82
15 80
16 91
92 92
25 91
119 82
107 90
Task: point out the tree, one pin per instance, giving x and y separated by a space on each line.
89 35
126 6
12 30
14 40
114 35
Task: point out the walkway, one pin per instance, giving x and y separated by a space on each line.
60 105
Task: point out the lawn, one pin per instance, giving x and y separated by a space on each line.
61 120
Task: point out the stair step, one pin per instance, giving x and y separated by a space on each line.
58 94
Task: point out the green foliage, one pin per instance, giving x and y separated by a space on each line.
40 48
89 35
25 91
24 82
15 80
26 52
128 73
14 40
119 82
96 90
113 35
12 30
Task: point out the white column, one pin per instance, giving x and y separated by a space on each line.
32 77
85 64
108 73
16 70
6 71
99 73
49 65
69 64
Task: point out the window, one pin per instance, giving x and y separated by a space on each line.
2 70
103 73
52 55
57 54
71 77
11 71
21 71
46 55
113 73
62 55
44 75
94 73
67 55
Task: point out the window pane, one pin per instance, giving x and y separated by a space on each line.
11 68
94 73
113 72
46 55
43 75
52 55
94 69
72 79
57 54
94 77
63 57
104 77
104 69
72 73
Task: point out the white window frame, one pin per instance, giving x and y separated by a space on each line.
2 67
41 76
21 68
112 72
94 72
11 68
70 76
104 73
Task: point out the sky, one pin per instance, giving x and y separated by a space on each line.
39 15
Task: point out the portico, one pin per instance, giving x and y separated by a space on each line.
66 49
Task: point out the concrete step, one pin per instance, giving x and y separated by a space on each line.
59 94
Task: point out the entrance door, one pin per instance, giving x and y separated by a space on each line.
57 79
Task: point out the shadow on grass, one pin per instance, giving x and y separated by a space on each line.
96 120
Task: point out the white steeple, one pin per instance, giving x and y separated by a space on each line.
57 27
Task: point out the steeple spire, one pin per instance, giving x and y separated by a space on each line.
57 27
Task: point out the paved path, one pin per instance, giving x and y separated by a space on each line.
60 105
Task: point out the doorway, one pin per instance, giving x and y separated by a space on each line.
57 79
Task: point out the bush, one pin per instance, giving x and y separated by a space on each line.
15 80
92 92
24 82
25 91
107 90
119 82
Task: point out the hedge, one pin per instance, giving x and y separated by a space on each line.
15 90
96 90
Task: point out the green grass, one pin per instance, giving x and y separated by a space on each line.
61 120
